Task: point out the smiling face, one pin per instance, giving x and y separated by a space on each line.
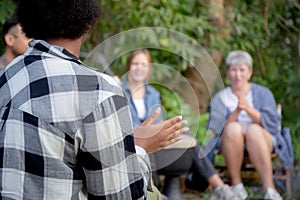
239 75
139 68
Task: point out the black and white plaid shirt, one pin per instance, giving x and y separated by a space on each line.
65 131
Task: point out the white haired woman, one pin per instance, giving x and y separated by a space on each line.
245 114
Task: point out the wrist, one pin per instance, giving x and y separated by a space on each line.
141 143
236 111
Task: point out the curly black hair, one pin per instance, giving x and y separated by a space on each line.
44 19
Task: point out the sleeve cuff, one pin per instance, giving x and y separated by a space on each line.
141 151
143 154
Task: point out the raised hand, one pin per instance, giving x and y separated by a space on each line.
153 137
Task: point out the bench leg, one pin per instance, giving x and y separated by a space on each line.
288 185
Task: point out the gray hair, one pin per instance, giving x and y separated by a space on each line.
239 57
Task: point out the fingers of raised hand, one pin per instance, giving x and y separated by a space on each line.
175 136
172 121
154 115
176 126
169 142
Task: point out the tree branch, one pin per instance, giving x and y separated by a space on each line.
266 12
261 62
296 4
299 42
287 24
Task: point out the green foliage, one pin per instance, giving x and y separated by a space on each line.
185 17
295 130
273 46
268 32
7 8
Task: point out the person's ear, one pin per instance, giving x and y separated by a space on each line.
85 35
9 39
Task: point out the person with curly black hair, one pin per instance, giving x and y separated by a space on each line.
65 129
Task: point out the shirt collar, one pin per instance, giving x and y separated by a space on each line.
54 50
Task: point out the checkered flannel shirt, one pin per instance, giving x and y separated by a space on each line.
65 131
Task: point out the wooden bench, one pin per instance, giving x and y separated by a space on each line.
248 171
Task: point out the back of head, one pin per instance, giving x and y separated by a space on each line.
44 19
9 23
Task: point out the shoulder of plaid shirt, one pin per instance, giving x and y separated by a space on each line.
66 131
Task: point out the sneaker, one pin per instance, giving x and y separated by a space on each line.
272 194
223 193
240 191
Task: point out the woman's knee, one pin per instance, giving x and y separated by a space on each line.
233 130
254 132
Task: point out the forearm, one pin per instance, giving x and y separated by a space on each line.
254 115
233 116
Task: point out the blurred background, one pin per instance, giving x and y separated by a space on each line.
268 30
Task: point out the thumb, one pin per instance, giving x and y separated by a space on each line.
153 116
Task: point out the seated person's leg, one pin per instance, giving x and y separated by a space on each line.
205 174
232 147
259 145
205 168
